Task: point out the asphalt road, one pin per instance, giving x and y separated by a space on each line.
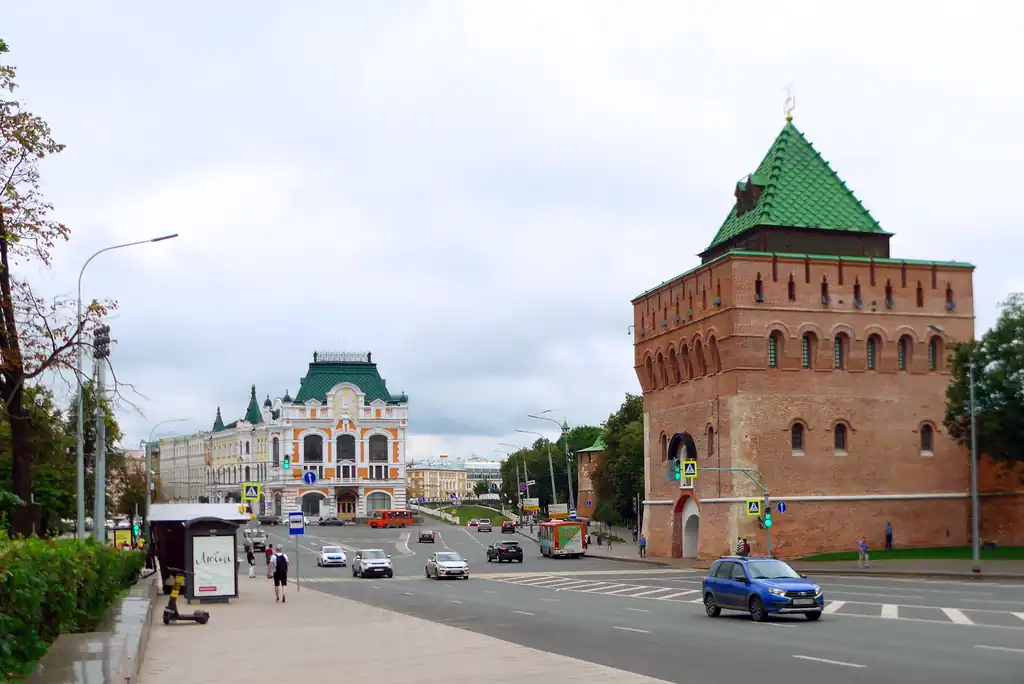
649 620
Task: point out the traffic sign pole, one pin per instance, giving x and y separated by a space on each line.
757 478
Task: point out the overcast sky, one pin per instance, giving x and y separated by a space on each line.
475 190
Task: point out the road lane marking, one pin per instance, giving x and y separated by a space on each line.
648 593
632 629
615 588
637 610
523 612
543 598
890 610
548 583
454 601
576 583
830 662
1020 615
407 593
956 615
468 534
834 606
1000 648
679 593
875 594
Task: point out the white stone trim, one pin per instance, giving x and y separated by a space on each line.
665 502
845 497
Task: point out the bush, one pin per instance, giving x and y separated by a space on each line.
50 587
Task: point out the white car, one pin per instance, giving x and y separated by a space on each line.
446 564
370 562
305 520
331 555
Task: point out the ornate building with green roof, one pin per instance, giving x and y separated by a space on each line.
802 359
336 448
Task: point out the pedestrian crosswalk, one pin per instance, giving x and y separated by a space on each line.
635 590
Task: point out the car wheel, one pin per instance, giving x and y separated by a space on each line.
710 607
426 571
813 616
520 560
757 613
390 575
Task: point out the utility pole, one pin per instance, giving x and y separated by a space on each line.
568 468
975 531
101 352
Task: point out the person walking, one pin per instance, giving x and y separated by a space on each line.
863 561
642 544
739 546
888 535
269 553
279 566
250 556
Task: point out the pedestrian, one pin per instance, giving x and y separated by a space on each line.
746 547
279 563
862 556
643 546
739 546
269 553
635 533
250 556
888 535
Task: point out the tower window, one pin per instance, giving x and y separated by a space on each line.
839 352
856 293
903 352
758 289
825 299
950 304
791 288
840 437
807 351
920 295
773 350
796 436
933 353
872 353
927 437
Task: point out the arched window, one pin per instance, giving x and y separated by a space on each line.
840 350
247 473
903 352
698 352
796 436
933 353
808 346
664 447
856 293
840 437
873 345
649 374
927 438
662 373
378 449
825 299
378 501
950 303
687 363
711 441
345 445
246 448
276 452
888 292
673 365
774 349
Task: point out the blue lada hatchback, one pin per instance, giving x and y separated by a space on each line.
762 586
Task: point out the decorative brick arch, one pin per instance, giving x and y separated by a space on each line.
697 337
776 326
810 328
874 329
685 510
906 330
843 328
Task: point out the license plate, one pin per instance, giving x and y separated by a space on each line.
803 602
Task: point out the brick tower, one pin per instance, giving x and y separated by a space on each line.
802 350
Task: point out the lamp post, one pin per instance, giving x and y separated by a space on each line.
551 467
564 427
79 430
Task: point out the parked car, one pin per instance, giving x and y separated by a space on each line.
483 526
508 527
446 564
269 520
256 537
332 521
331 555
762 586
372 562
505 551
427 536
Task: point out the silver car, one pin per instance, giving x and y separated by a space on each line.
372 562
446 564
483 526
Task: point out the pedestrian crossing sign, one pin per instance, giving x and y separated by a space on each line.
753 507
251 491
689 469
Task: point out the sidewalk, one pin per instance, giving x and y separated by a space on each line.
316 635
621 551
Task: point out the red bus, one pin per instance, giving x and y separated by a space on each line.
391 519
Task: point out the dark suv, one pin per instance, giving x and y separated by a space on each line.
508 527
505 551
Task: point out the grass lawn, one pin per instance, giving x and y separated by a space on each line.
936 553
467 513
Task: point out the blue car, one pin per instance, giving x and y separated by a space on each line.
762 586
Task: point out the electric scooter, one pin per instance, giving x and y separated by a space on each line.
171 613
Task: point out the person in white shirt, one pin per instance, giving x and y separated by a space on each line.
279 571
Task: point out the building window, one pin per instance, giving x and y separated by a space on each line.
796 437
276 449
673 365
346 448
378 449
839 351
649 372
920 295
950 304
378 472
664 447
758 289
711 441
927 438
246 448
807 349
791 289
698 351
873 352
348 471
856 294
840 437
716 359
888 293
662 374
825 299
903 351
933 353
313 449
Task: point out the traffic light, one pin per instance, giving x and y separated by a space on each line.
286 463
678 471
101 342
136 529
768 515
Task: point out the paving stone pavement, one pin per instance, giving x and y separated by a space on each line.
254 639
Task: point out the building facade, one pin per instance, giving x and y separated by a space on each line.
343 430
482 470
801 355
586 461
432 481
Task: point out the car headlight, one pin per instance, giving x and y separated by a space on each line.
817 590
776 592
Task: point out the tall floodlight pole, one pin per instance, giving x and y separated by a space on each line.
564 427
80 369
551 467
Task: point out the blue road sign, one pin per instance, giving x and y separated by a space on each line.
296 523
572 514
781 507
309 477
522 487
589 503
421 500
454 496
494 486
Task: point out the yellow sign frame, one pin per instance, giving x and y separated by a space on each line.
691 465
245 488
753 508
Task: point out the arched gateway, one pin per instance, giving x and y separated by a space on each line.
685 513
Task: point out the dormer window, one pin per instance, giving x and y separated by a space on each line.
748 192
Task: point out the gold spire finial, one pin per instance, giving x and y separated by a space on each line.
790 104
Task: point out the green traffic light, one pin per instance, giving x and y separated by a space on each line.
678 474
286 464
768 520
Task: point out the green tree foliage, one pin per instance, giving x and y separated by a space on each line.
619 476
481 488
536 459
115 460
998 388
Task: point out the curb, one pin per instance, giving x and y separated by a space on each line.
623 559
910 574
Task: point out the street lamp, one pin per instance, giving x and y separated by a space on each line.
79 431
564 427
551 467
975 523
149 461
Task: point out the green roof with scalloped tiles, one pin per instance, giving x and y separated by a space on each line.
322 376
799 190
598 445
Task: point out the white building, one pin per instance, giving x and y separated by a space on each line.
480 470
343 427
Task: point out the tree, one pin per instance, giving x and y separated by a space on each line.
998 388
36 335
115 457
619 476
129 482
536 459
481 488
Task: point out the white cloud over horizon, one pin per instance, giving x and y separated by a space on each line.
474 191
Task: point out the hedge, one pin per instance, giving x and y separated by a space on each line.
50 587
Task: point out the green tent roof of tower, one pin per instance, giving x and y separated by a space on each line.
252 413
218 422
598 445
799 190
322 376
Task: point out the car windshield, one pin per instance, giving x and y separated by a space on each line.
427 532
510 545
374 554
332 549
771 570
448 558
